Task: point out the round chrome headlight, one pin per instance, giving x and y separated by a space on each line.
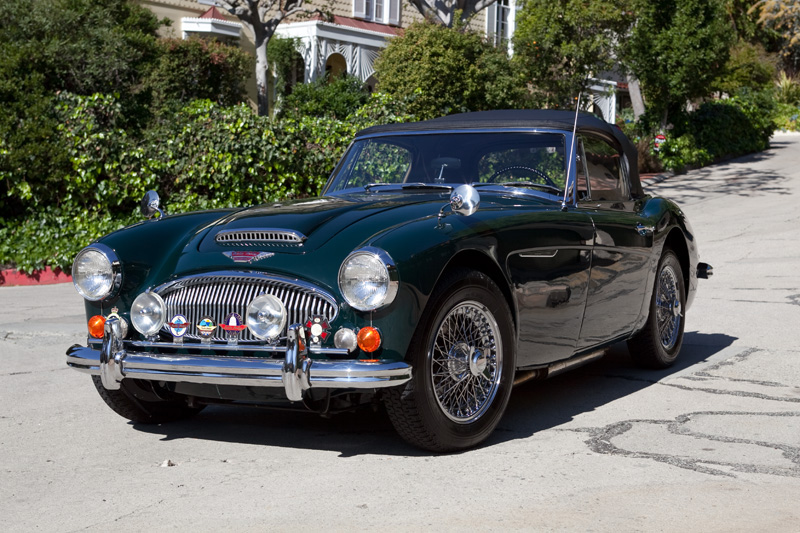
96 272
148 313
266 317
368 279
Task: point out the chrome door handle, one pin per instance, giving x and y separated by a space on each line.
644 230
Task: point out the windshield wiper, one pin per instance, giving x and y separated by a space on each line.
419 185
409 186
543 186
371 185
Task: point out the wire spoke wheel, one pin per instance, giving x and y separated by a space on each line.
668 308
466 362
659 341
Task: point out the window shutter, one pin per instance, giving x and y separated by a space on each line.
394 12
360 9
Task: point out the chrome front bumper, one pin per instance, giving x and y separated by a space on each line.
294 373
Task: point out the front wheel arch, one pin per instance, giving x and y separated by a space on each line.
486 265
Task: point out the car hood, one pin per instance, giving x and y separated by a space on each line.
302 226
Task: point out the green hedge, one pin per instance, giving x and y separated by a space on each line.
720 129
201 157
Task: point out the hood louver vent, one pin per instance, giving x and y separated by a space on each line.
254 237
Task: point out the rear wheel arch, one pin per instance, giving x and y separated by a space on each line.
676 242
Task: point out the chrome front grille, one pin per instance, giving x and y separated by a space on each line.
218 295
254 237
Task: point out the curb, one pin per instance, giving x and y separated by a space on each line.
13 278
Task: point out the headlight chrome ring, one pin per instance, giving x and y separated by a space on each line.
368 279
97 272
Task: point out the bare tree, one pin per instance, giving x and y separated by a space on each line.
262 17
443 11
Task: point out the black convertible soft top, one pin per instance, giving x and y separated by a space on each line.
523 118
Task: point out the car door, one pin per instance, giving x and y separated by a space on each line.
623 242
549 271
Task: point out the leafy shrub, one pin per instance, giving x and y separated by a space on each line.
197 68
678 153
749 66
787 89
283 57
788 117
720 129
202 156
442 70
335 98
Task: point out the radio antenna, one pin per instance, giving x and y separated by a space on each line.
571 154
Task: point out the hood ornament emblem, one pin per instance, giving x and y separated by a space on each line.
247 257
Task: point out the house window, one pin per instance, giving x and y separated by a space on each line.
501 21
383 11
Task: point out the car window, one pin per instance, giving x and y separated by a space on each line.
530 160
380 162
540 163
603 163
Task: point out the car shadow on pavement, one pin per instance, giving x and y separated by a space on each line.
534 407
541 405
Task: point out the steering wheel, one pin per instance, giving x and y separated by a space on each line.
534 171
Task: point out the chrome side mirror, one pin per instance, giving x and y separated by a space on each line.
149 205
465 200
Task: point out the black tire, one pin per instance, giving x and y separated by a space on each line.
448 357
657 345
127 402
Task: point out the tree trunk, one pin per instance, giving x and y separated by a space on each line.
262 73
636 97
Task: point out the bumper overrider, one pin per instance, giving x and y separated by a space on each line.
296 372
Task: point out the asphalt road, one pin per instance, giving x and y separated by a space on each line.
710 445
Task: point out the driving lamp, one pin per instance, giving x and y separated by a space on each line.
266 317
148 313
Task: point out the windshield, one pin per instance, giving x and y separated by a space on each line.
419 161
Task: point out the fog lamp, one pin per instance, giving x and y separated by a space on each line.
266 317
148 313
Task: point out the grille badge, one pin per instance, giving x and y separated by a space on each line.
247 257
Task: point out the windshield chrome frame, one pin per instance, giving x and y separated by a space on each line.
570 185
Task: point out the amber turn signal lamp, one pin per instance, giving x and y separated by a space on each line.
96 324
369 339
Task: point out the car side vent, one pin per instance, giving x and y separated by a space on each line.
256 236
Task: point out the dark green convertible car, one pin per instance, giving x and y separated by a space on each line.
445 261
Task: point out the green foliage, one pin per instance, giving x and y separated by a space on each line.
286 63
749 66
197 68
199 157
788 117
720 129
783 17
558 46
335 98
81 46
676 49
787 90
441 70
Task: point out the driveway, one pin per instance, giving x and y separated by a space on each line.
710 445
